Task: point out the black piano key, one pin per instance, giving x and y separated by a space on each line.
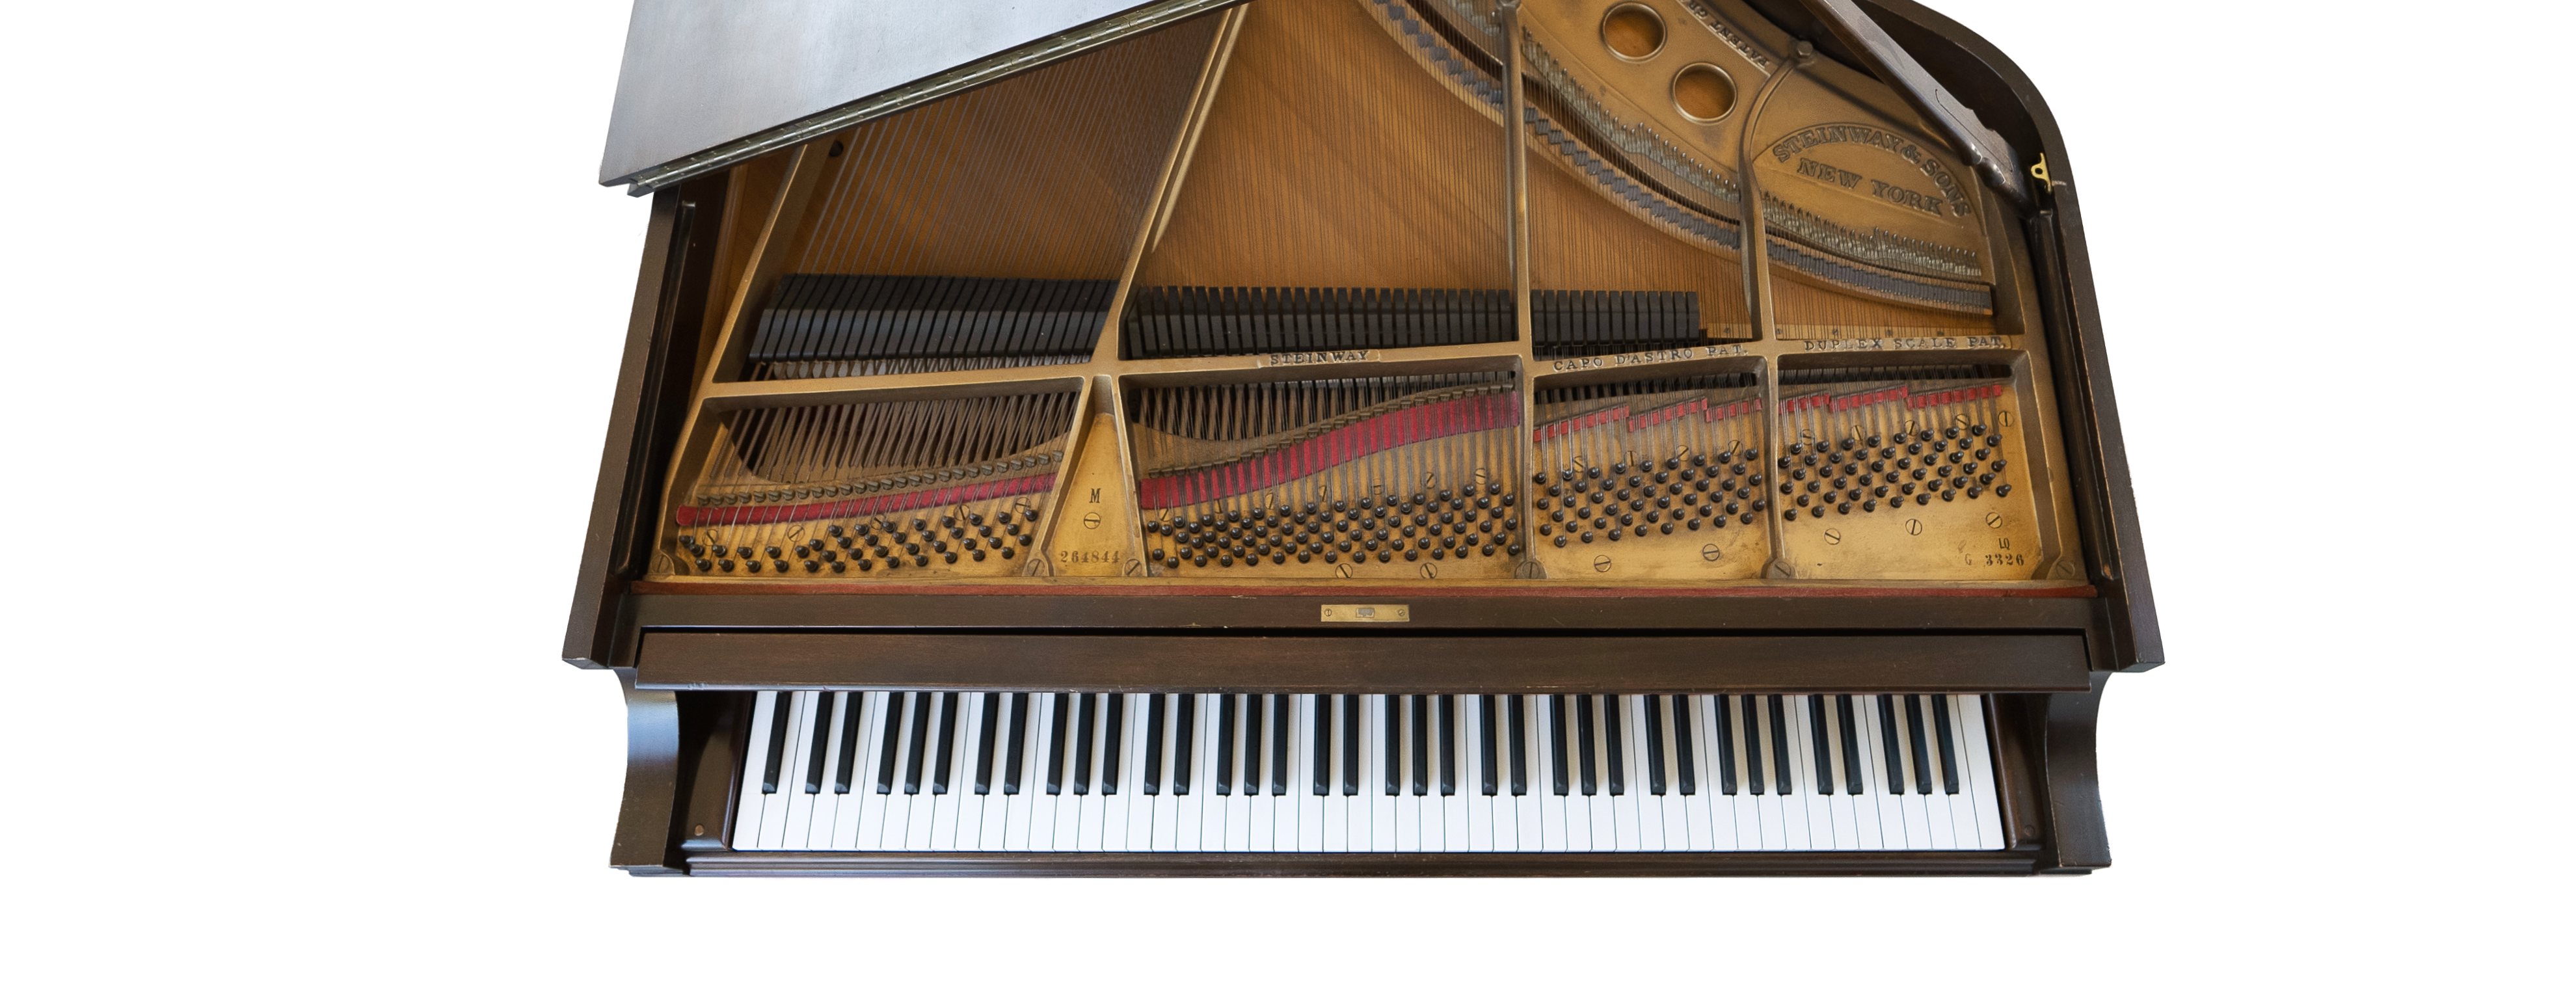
1350 744
778 720
1780 770
1112 741
852 717
1153 744
1388 765
1082 720
1184 736
816 751
921 701
1612 711
1583 744
1684 738
1252 744
1322 744
1418 710
1751 712
1922 755
1654 744
1556 739
1225 744
985 735
948 744
1058 740
893 726
1279 720
1487 725
1726 773
1887 744
1519 736
1949 754
1019 711
1852 767
1822 742
1448 744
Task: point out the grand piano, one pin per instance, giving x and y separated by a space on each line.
1354 437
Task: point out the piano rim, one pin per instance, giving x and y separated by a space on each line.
2021 861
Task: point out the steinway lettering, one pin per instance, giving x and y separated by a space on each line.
1871 136
1328 356
1828 173
1905 197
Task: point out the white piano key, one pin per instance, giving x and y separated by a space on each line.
1789 745
815 831
1869 832
1959 809
1117 765
1244 784
1918 820
1383 722
1043 742
883 710
1273 818
1801 800
882 828
1262 823
1641 813
827 802
1671 808
799 827
1837 804
1457 769
859 723
1936 804
1509 827
1301 787
1015 806
1091 803
995 805
1759 750
1814 815
1108 777
1065 806
1578 806
1408 807
994 813
751 806
1162 812
1887 772
900 803
1554 807
1471 782
1978 755
947 722
1337 805
1526 815
1650 807
1188 807
964 806
1712 823
1714 800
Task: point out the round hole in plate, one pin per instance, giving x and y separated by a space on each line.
1703 92
1633 32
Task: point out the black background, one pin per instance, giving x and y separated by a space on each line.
565 269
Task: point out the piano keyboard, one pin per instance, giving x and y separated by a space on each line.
951 771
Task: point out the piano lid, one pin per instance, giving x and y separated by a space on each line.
706 85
